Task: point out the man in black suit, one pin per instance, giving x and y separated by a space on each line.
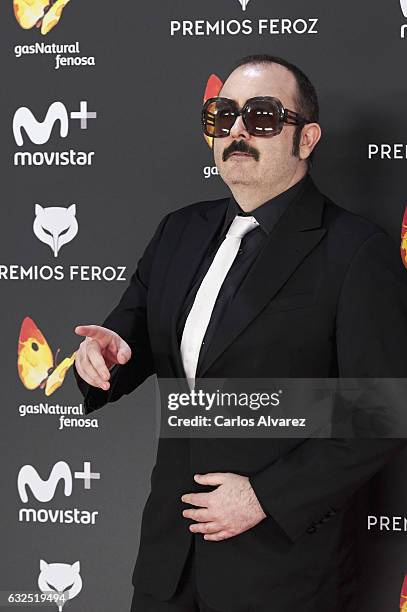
308 290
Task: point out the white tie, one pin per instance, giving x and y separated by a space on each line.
201 311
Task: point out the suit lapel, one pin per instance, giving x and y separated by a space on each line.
192 244
294 236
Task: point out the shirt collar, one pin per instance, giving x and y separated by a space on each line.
268 213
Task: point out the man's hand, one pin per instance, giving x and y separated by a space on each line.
101 349
230 509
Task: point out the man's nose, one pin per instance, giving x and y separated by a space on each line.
238 129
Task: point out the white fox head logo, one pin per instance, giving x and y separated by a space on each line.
403 4
55 225
60 578
244 3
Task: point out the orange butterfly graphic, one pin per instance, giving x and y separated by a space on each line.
44 14
35 360
213 87
403 247
403 596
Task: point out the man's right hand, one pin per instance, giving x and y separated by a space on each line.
100 349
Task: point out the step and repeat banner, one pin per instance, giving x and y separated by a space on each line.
101 137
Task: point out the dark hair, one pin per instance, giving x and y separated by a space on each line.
306 99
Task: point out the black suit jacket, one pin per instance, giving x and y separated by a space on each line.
326 297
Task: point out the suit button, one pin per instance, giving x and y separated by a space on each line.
311 529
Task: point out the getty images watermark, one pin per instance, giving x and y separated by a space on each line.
299 408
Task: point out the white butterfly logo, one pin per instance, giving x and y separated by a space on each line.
244 3
403 4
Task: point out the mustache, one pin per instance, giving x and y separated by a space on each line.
241 147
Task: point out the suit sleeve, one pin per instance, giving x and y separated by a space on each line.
129 320
309 485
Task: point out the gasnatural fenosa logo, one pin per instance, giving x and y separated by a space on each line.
212 89
44 14
403 596
403 247
403 5
36 364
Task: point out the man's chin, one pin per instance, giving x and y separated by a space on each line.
235 175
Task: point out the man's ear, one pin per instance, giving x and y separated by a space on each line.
310 135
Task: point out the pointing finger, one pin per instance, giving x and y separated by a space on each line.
90 331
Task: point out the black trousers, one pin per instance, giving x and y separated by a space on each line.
185 599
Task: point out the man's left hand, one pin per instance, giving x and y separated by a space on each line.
230 509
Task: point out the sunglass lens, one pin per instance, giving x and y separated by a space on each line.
218 118
262 118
